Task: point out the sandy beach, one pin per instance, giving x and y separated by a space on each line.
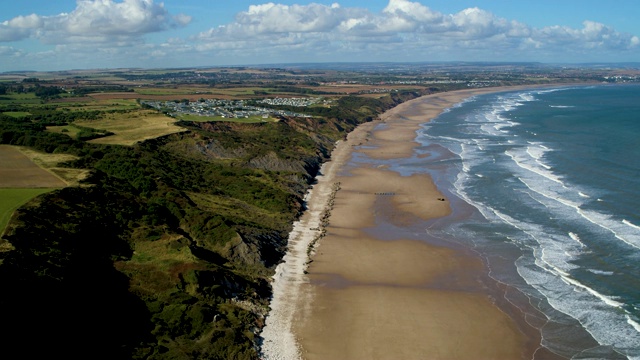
374 288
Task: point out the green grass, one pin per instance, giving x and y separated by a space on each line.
17 114
163 253
165 91
237 209
26 99
100 105
11 199
70 130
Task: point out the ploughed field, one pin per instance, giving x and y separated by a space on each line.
20 181
18 171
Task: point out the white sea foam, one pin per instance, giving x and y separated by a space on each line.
465 164
536 152
633 323
525 163
600 272
554 249
627 222
546 91
583 194
575 237
527 97
576 301
619 229
601 315
606 299
489 129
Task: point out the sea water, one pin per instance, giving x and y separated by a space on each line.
553 176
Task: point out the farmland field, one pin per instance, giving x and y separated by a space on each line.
21 180
70 176
132 127
90 103
18 171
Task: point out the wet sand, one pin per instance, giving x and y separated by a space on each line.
373 292
387 297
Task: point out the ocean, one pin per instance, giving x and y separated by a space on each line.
552 178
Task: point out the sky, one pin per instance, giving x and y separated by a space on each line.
46 35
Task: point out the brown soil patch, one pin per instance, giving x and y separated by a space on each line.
18 171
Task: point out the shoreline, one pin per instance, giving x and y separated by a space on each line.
363 269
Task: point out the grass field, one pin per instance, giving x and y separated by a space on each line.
132 127
13 199
239 91
167 91
51 161
18 171
17 114
23 99
206 92
89 103
68 130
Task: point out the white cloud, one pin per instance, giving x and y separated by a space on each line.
405 30
10 51
401 25
93 21
592 35
276 18
19 27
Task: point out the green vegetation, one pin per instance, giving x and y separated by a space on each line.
14 198
17 114
163 91
69 130
80 132
103 88
20 98
166 249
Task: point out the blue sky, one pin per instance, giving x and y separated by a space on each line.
70 34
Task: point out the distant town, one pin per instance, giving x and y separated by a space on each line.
231 109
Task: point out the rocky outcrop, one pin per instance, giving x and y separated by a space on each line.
213 150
